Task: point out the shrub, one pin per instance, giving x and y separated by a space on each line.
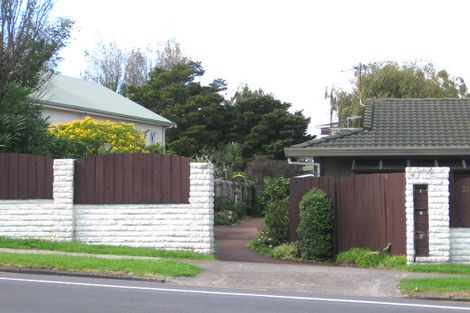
101 137
276 221
275 188
316 225
286 251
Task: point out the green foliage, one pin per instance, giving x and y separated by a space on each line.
22 127
30 43
260 168
274 201
364 257
262 245
228 212
391 80
227 163
264 125
289 251
276 221
176 94
258 123
316 225
275 188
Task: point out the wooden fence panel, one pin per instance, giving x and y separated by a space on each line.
131 179
369 209
25 176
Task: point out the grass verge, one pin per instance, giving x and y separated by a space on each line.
72 246
159 268
444 286
445 268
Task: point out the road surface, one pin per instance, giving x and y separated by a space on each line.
24 293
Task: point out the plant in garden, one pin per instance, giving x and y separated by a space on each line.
275 188
101 137
364 257
316 225
288 251
276 221
227 211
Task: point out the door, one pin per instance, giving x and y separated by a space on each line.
421 220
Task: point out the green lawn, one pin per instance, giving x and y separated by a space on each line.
6 242
446 268
451 286
158 268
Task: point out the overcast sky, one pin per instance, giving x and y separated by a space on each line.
293 49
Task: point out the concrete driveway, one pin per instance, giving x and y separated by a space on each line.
239 267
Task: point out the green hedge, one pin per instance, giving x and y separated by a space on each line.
316 225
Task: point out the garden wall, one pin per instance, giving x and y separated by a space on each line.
186 226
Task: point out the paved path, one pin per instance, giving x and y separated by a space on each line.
231 242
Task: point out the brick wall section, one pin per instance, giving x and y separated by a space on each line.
460 245
437 179
166 226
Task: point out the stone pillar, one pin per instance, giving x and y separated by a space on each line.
63 229
201 200
437 179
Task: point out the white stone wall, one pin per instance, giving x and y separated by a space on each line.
166 226
42 219
460 245
437 179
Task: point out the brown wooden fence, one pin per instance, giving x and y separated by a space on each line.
25 176
132 179
369 209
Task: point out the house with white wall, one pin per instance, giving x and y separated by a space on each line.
64 99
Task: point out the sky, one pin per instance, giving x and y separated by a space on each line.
292 49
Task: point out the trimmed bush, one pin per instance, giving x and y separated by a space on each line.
275 188
276 221
316 225
274 201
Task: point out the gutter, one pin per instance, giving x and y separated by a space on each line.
382 151
53 105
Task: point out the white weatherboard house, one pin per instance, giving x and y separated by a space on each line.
64 99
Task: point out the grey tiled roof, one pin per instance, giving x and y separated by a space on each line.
405 124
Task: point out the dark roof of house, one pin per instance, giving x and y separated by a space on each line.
399 127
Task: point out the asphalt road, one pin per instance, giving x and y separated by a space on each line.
49 294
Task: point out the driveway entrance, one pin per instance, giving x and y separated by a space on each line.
231 242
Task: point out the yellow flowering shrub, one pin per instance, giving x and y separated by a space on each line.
101 137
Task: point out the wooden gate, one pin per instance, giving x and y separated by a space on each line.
460 200
369 209
132 179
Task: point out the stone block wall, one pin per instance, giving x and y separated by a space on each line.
460 245
437 179
166 226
